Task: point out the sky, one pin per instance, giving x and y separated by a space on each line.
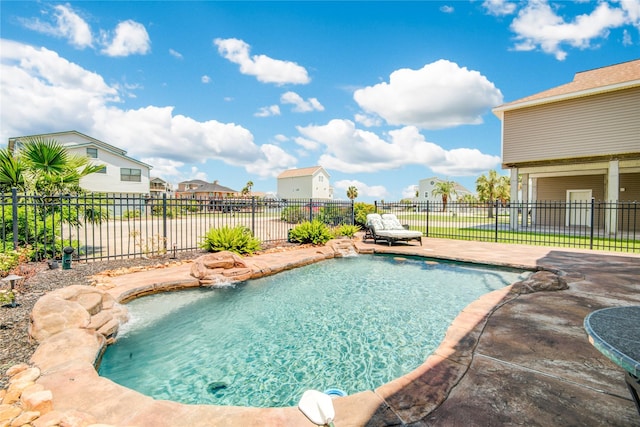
380 94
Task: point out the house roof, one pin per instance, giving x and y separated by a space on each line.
585 83
460 189
294 173
194 181
89 141
211 188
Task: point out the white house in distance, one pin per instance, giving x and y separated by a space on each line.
305 183
121 173
426 186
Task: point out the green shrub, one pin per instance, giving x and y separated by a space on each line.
334 215
361 212
11 259
238 239
294 215
315 232
131 213
347 230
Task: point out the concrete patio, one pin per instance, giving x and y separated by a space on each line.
508 359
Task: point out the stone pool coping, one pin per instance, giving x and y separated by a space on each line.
66 364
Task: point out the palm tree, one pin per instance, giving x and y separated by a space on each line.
444 189
12 171
489 188
352 192
46 167
246 191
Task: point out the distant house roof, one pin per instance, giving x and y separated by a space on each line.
294 173
194 181
460 189
211 188
599 80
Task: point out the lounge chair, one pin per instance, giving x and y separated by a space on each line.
387 228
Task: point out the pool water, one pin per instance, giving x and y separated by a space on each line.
350 323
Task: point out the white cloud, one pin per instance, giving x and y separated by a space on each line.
130 38
439 95
48 93
537 26
271 110
300 105
364 190
281 138
68 24
351 150
166 168
368 120
265 69
499 7
205 79
626 38
447 9
409 192
175 54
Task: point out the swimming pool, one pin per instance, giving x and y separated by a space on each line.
350 323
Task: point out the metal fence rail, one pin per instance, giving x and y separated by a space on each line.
612 226
100 226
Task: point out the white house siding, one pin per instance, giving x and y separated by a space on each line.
597 125
314 185
110 156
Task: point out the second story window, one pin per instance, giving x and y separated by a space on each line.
103 170
127 174
92 152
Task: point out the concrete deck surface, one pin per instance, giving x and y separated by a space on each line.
507 360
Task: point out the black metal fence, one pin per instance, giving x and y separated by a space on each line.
611 226
115 226
101 226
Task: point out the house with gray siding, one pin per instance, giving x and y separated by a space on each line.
577 141
305 183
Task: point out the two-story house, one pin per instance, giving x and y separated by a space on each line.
426 186
305 183
120 174
577 141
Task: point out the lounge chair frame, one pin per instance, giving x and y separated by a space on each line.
390 236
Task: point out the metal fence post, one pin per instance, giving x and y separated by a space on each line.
14 212
593 223
427 221
253 215
353 212
164 220
497 215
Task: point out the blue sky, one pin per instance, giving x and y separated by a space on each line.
381 94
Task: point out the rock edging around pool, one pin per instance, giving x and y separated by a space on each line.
69 350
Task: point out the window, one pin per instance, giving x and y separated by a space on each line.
127 174
102 170
426 194
321 178
92 152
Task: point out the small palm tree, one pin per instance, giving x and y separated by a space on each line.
246 191
12 171
444 189
49 169
352 192
486 188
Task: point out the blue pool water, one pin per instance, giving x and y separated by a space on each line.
350 323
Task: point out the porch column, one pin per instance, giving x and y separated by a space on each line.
613 189
534 199
515 201
524 195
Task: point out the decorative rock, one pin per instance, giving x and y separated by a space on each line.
8 413
52 314
16 369
15 390
25 418
82 345
539 282
100 319
92 302
29 374
220 267
41 401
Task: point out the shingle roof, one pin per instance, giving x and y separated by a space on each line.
211 188
293 173
613 77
